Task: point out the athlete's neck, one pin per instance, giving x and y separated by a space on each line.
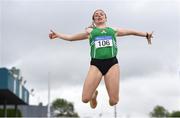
101 25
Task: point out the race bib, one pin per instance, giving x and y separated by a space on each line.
103 41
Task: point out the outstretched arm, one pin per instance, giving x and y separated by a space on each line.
68 37
125 32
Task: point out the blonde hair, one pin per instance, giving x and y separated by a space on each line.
93 24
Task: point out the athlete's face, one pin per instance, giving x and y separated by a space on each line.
99 17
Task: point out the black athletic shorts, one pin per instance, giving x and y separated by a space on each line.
104 64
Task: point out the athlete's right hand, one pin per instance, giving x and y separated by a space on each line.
53 35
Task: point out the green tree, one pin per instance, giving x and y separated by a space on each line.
175 114
64 108
159 111
10 113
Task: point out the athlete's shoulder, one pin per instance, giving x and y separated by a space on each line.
114 28
88 30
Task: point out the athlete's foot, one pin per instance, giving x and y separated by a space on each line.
93 101
112 103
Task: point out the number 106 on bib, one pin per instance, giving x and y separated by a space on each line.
103 43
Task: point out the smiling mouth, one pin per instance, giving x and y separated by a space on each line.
99 18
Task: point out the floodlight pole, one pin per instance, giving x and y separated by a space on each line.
115 113
1 49
1 40
49 105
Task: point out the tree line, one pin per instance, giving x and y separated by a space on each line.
160 111
63 108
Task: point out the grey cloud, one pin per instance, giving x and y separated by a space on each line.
26 26
25 44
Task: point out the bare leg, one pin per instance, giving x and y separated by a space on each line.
112 84
91 83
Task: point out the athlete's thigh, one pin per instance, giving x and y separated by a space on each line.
112 81
92 81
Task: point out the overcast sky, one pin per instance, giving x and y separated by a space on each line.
149 74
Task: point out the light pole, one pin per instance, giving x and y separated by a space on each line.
1 49
32 92
179 71
1 40
115 113
49 106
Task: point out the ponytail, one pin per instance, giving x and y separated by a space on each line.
92 25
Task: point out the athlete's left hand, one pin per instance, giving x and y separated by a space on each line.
149 37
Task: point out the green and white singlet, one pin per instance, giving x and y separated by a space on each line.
103 43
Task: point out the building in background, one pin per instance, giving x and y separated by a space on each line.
14 93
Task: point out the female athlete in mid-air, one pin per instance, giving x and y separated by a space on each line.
104 64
